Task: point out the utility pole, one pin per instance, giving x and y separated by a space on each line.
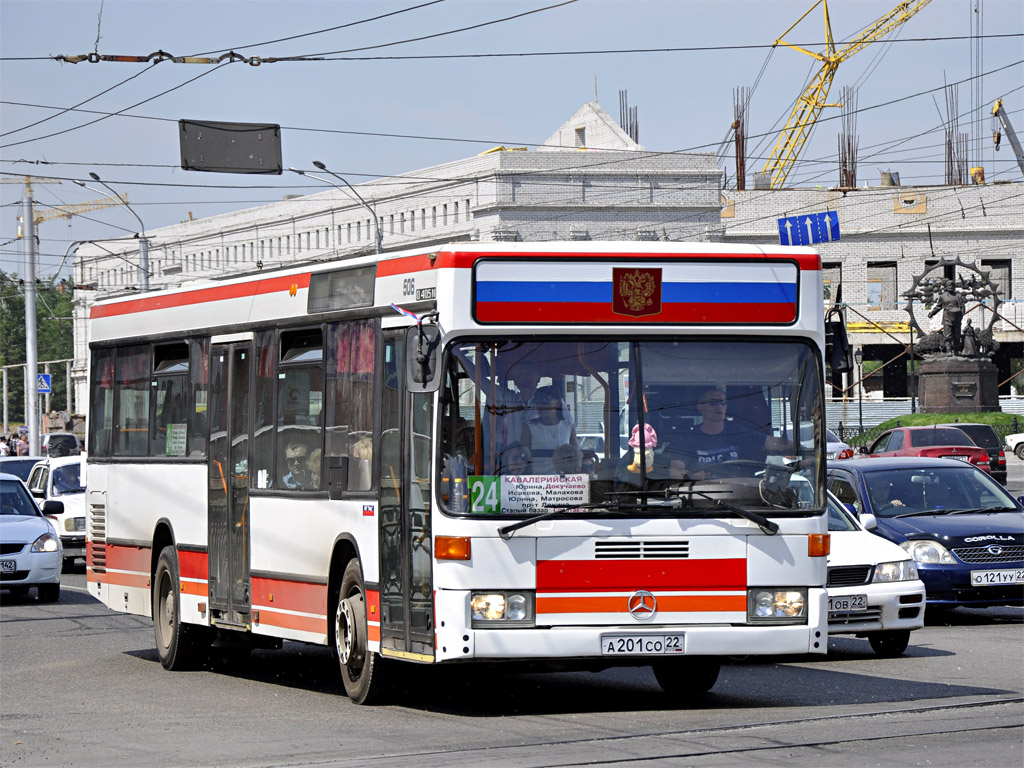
28 233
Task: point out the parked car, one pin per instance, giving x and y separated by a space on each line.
59 484
963 529
874 590
30 550
933 442
61 444
1015 443
984 436
836 448
19 465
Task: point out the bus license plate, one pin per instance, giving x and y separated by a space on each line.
641 645
8 566
997 578
847 603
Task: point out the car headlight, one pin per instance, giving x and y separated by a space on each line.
777 605
900 570
928 552
46 543
501 608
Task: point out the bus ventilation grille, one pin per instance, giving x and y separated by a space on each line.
98 538
678 549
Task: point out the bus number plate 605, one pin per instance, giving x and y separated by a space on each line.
641 645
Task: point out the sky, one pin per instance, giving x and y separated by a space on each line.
408 84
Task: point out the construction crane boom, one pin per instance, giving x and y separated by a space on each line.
1011 136
67 211
814 97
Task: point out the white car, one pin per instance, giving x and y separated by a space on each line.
59 486
1015 443
873 586
836 448
30 551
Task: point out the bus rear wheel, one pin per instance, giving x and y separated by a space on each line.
179 645
687 677
362 671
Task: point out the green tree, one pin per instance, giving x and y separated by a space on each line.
54 337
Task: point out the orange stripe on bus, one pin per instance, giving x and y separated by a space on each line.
666 604
373 633
195 588
317 625
122 558
140 580
193 565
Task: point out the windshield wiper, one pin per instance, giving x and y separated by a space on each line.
670 499
506 531
980 510
920 512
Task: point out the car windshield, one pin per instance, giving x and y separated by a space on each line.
522 421
838 518
910 490
15 500
66 480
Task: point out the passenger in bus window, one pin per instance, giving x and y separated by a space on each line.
296 458
567 459
548 429
315 464
515 460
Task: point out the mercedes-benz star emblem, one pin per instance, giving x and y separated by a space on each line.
642 605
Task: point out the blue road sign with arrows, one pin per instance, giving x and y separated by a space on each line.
43 383
809 228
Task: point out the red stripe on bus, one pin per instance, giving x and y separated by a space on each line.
290 595
193 565
132 558
317 625
590 312
628 575
666 604
202 295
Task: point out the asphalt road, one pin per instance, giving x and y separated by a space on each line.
81 685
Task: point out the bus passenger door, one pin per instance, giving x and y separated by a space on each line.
406 573
228 513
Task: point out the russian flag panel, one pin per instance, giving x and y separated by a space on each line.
689 292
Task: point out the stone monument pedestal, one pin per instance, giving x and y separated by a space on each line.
958 385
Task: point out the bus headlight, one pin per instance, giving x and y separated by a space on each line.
488 609
778 606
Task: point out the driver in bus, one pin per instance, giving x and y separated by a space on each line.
714 442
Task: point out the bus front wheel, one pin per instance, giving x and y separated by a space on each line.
362 671
689 676
179 645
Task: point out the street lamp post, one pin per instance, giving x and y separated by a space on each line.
859 357
359 198
143 241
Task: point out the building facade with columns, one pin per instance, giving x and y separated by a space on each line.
591 181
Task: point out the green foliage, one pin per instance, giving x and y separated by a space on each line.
54 337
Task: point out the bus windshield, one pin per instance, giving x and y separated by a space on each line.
531 426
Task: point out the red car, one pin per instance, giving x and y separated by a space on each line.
934 442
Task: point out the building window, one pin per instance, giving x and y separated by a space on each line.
444 215
348 236
881 285
423 218
455 214
832 277
581 137
467 210
1000 274
433 216
359 231
412 221
392 223
401 223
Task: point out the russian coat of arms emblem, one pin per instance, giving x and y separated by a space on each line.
637 291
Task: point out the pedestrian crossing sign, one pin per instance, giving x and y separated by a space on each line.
43 383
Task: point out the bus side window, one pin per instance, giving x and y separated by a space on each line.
351 367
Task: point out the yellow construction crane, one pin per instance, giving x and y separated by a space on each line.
813 99
61 211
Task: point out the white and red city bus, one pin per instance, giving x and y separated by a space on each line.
590 454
